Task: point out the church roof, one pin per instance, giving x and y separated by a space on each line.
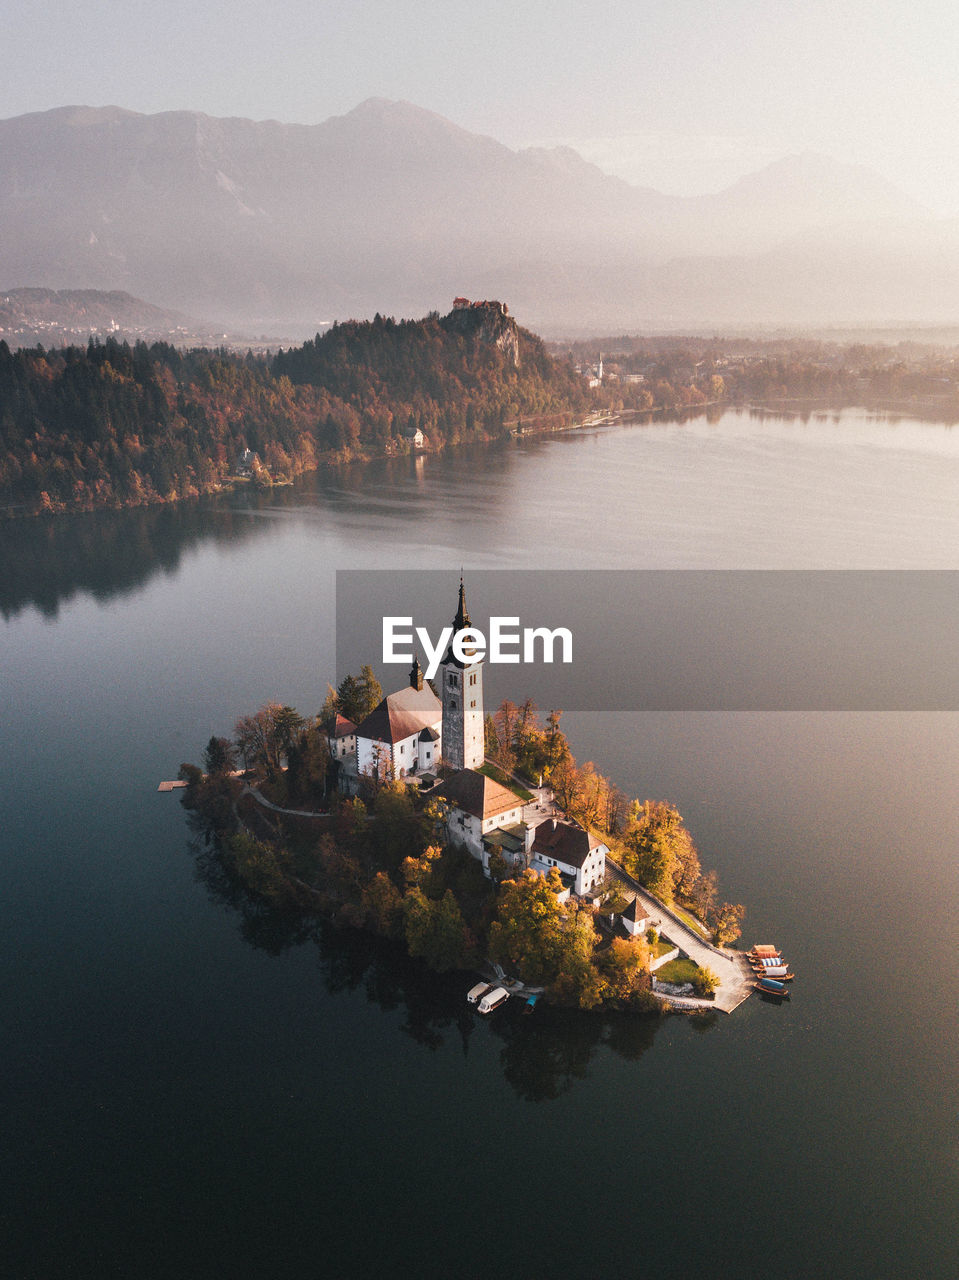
567 842
474 793
343 727
429 735
401 715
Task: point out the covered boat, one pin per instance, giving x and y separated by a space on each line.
772 987
493 999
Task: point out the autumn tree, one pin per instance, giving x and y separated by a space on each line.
625 968
505 722
525 934
727 923
383 904
704 893
655 845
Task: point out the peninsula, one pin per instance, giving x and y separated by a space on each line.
477 840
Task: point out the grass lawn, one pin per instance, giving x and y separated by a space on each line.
678 972
497 775
661 948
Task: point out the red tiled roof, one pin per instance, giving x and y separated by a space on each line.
566 842
401 715
343 727
474 793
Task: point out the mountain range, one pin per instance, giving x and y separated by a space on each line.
392 208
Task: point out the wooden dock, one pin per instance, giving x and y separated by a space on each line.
171 786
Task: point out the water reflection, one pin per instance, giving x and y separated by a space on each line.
764 487
48 560
542 1056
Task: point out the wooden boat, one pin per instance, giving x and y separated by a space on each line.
772 987
531 1003
763 949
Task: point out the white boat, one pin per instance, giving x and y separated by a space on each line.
475 994
493 999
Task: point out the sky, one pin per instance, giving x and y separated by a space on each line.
681 95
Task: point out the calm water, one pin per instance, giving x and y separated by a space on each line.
191 1091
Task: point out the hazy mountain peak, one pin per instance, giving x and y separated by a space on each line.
393 208
827 185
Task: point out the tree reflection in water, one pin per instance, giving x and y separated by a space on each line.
542 1056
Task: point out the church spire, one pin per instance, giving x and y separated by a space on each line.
462 619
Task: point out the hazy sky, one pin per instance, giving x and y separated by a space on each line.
683 95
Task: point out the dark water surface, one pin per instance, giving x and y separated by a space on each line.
190 1090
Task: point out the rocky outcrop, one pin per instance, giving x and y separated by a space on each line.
486 321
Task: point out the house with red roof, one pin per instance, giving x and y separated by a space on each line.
479 806
343 741
579 855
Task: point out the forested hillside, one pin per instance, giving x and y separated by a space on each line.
115 425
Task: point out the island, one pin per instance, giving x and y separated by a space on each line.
476 840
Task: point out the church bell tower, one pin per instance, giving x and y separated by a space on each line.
463 739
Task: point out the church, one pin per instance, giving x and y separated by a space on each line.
411 732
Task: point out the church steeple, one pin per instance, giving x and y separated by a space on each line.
460 623
416 675
462 618
462 696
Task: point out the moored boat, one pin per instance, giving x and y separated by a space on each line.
493 999
771 970
772 987
476 994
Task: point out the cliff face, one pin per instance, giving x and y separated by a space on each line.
488 322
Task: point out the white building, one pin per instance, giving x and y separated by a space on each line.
637 919
578 854
403 734
343 742
478 806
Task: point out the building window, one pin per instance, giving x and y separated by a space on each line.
452 704
473 703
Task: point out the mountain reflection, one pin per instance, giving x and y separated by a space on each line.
542 1055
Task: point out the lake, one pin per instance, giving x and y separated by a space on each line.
194 1089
